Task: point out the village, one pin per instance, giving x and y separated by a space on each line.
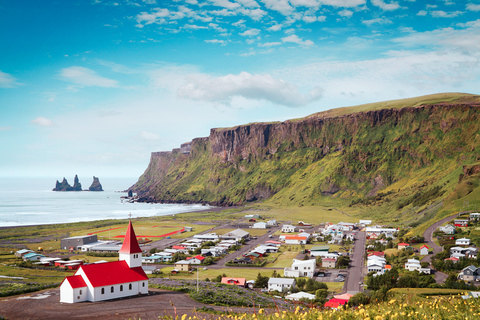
339 260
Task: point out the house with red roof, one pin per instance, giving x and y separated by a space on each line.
234 281
403 245
198 259
109 280
423 250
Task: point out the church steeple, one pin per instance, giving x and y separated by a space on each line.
130 251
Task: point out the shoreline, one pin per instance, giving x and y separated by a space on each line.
213 209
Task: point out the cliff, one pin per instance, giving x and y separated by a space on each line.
96 185
375 153
63 186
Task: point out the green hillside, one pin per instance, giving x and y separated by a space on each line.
395 161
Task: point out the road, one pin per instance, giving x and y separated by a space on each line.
428 236
355 272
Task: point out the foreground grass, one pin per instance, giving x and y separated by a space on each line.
440 308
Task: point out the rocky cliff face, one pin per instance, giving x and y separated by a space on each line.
63 186
96 185
349 156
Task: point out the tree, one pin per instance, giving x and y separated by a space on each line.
358 299
343 261
261 281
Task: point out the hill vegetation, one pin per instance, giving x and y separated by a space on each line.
405 161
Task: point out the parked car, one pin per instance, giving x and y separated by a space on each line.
339 279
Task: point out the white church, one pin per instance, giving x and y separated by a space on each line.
109 280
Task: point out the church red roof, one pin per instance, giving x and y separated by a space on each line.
76 281
110 273
130 243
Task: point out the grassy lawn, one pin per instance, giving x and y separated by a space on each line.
335 287
391 251
33 275
248 273
284 260
91 259
427 291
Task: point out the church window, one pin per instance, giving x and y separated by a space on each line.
143 284
80 291
130 286
121 287
103 290
112 289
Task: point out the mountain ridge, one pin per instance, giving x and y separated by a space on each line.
340 157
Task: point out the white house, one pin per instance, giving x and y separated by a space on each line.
236 235
281 284
295 240
110 280
365 222
301 268
272 223
207 237
423 250
448 229
412 265
288 228
462 242
259 225
300 295
474 216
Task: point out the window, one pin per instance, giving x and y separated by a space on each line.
112 289
103 290
143 284
121 287
130 286
80 291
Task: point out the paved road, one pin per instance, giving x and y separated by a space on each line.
428 236
355 275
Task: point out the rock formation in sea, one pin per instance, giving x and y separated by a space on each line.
77 186
96 185
63 186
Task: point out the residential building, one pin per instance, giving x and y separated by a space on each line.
460 222
295 240
281 284
207 237
288 228
109 280
470 273
21 253
198 259
183 265
260 225
474 216
32 256
241 282
329 263
448 229
300 295
402 246
462 242
423 250
272 223
301 268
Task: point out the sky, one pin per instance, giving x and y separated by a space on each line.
92 87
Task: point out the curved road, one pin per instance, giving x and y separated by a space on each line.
428 236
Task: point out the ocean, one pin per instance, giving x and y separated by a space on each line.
30 201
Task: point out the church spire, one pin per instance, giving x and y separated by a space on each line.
130 244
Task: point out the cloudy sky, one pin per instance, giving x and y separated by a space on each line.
93 86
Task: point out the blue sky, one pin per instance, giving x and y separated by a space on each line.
92 87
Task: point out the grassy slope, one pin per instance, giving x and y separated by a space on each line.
408 154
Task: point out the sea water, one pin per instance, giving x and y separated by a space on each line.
31 201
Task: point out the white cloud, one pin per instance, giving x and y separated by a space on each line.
443 14
239 23
295 39
86 77
309 19
249 3
246 85
377 21
223 12
473 7
43 122
282 6
8 128
276 27
345 13
343 3
269 44
194 27
225 4
150 1
386 6
7 80
250 33
313 4
254 14
157 16
422 13
222 42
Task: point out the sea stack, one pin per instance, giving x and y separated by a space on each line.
77 186
63 186
96 185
